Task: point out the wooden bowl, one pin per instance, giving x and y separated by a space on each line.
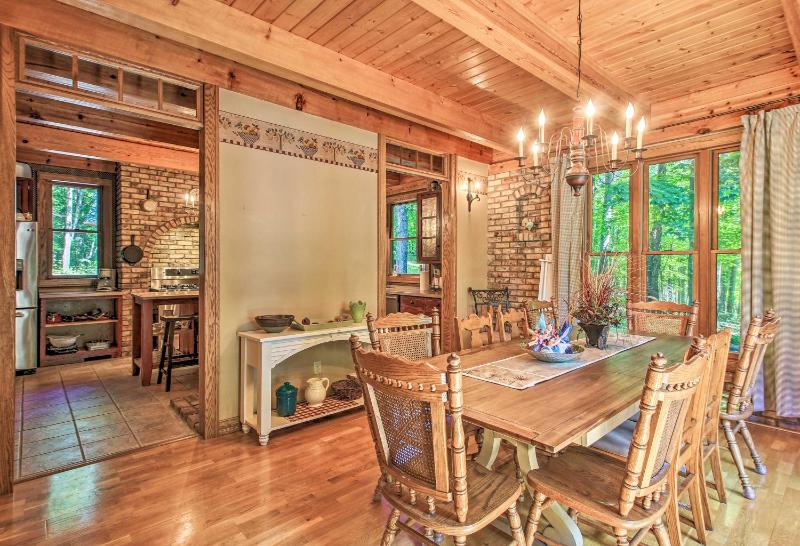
274 324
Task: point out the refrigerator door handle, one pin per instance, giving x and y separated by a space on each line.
20 315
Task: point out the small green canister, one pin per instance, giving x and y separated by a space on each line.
287 399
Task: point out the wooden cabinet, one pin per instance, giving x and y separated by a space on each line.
418 305
429 228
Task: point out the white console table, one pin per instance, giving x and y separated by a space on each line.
259 353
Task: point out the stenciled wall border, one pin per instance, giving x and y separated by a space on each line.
271 137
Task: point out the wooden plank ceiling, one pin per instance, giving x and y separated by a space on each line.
658 50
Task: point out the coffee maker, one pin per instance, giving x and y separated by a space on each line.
106 279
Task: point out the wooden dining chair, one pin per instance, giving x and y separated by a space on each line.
488 298
662 317
633 494
687 473
513 323
475 331
737 399
414 337
416 412
538 307
708 450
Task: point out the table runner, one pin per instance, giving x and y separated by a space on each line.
523 371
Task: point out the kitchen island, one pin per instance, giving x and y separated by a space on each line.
143 304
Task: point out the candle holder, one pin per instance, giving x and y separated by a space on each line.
589 139
639 153
630 144
614 164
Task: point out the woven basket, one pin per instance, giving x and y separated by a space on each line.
347 389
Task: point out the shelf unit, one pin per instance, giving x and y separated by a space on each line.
73 303
277 422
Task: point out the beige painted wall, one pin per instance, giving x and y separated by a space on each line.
471 239
296 236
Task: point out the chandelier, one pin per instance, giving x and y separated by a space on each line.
584 141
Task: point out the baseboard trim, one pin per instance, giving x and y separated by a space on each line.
228 426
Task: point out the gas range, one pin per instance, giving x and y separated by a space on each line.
170 279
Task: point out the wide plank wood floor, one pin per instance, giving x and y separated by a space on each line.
311 485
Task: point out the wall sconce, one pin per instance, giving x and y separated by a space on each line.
473 192
191 200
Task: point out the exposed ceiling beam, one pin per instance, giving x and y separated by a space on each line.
791 12
216 27
513 31
61 141
51 112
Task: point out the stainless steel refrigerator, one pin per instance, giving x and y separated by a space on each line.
27 297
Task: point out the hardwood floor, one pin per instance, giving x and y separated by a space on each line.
311 485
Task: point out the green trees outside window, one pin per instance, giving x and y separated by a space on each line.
403 238
728 246
75 230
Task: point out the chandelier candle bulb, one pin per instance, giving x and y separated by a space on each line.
614 144
640 134
541 125
629 121
589 118
521 141
535 153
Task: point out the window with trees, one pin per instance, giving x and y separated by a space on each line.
671 229
76 224
403 238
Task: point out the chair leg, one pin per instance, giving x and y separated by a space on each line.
376 496
761 468
716 470
701 483
391 528
696 500
534 516
516 525
662 537
170 354
672 514
747 489
622 536
163 356
460 540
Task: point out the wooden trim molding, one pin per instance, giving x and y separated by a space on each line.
7 254
209 264
449 242
383 227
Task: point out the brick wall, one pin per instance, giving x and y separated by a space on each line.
178 246
153 230
514 249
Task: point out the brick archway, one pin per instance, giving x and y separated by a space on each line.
166 228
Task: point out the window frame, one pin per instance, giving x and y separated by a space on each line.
410 278
105 226
705 252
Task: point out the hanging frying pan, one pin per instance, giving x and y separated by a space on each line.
132 254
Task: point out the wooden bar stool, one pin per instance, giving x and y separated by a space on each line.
168 356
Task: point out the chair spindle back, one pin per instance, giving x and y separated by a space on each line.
760 333
719 344
473 326
518 321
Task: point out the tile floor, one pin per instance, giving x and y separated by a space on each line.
68 415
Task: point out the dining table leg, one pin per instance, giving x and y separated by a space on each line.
557 524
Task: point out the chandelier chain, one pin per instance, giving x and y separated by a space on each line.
580 49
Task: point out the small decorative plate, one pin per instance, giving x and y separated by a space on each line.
558 357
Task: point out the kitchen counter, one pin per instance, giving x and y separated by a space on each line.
149 295
410 290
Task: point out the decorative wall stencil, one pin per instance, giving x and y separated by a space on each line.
270 137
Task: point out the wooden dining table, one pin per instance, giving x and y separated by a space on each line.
578 407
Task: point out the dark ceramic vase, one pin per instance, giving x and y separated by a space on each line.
596 334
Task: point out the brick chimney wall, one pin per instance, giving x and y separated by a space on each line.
166 227
514 250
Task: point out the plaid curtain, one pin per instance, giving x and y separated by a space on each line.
569 235
770 185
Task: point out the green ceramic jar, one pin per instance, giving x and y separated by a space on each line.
287 399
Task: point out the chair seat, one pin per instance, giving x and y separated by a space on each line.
489 495
618 441
590 482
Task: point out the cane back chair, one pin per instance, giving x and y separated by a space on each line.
737 400
415 410
538 307
474 331
513 323
407 335
663 317
617 495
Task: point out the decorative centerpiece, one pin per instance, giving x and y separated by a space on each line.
551 344
597 304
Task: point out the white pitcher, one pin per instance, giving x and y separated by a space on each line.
316 391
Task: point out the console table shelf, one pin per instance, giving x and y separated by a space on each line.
259 353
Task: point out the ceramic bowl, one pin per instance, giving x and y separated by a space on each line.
274 323
556 358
